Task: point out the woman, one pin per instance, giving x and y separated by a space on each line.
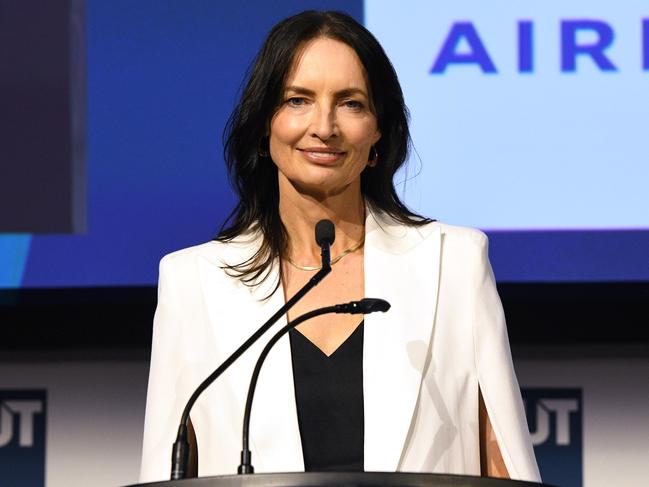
319 133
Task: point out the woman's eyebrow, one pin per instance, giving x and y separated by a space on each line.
339 94
350 92
300 90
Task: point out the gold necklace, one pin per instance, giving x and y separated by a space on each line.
351 249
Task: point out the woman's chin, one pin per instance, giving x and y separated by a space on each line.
321 188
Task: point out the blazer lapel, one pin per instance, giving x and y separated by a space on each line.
235 312
401 266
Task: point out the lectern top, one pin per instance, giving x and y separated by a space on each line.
346 479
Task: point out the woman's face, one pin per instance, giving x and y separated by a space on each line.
320 136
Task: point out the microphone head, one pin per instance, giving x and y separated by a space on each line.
371 305
325 232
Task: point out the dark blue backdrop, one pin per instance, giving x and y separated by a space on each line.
163 77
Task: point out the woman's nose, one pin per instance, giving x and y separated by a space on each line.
323 125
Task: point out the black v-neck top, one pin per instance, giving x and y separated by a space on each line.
329 396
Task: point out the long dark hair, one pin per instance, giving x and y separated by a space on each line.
254 176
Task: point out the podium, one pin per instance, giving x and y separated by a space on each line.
344 479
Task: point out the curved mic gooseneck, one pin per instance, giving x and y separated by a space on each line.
364 306
325 235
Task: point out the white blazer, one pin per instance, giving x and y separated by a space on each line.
423 360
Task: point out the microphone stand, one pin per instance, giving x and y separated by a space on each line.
364 306
180 450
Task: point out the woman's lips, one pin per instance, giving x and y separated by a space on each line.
322 156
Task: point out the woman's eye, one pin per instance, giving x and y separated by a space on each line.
353 104
295 101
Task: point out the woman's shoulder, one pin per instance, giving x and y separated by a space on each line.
216 252
452 235
463 235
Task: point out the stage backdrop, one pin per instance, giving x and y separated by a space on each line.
78 422
528 121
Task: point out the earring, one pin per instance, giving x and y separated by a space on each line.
373 158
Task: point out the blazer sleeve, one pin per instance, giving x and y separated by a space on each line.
166 387
497 379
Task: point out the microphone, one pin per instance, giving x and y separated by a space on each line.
325 234
364 306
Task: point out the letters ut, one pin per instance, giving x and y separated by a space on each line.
25 410
571 48
561 409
